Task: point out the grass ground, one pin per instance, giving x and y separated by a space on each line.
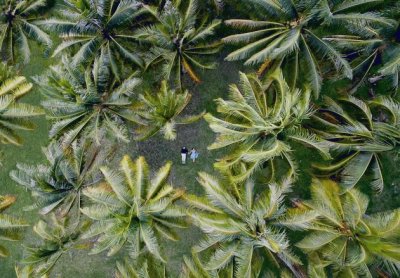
157 151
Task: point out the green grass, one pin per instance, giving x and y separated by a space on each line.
157 151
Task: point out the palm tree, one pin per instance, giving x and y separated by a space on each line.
194 268
344 237
291 36
13 114
91 29
361 132
259 122
179 41
144 267
161 112
244 227
131 208
18 26
58 238
90 103
10 227
57 185
216 4
377 53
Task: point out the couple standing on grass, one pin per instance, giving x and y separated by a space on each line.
193 154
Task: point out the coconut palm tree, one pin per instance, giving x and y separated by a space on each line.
361 132
292 36
244 227
161 112
144 267
23 271
219 4
344 237
216 4
10 227
14 115
91 29
57 239
131 208
194 268
90 103
18 27
391 60
377 55
180 41
259 122
57 185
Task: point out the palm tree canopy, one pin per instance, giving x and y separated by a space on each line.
260 121
14 115
162 112
344 236
57 185
91 29
194 268
90 103
10 227
58 237
291 36
131 208
246 227
360 131
18 26
376 52
144 267
180 41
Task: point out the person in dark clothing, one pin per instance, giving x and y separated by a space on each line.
184 152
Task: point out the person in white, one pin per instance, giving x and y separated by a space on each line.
194 154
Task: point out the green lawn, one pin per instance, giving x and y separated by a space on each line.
157 151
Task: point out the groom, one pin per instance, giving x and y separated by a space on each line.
184 152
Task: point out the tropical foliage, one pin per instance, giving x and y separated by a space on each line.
193 267
146 267
289 35
57 186
345 237
133 209
245 228
179 41
18 26
92 30
14 115
87 103
58 238
361 133
260 121
161 112
376 54
10 227
301 138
